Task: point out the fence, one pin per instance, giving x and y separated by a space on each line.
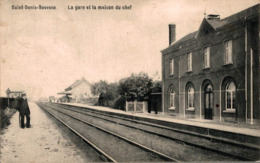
89 100
136 107
4 102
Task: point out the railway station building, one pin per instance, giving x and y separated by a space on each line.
78 91
213 73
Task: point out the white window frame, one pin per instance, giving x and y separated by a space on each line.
206 52
228 58
190 93
189 61
232 93
171 66
172 100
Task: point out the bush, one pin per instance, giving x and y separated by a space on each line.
136 86
5 116
119 103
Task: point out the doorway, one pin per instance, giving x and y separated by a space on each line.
208 101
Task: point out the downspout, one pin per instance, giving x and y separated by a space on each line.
179 77
251 84
220 104
184 104
162 84
163 98
180 86
246 68
200 102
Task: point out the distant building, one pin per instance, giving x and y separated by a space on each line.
15 94
51 99
43 99
79 90
213 73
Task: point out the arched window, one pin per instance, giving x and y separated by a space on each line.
208 97
172 97
209 88
230 96
190 92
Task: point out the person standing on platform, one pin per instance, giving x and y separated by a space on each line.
24 112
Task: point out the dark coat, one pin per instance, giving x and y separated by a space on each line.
17 103
24 107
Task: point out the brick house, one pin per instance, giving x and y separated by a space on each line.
213 73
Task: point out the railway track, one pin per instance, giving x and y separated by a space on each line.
103 155
209 137
231 149
132 150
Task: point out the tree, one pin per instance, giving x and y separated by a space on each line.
107 92
136 86
157 86
99 87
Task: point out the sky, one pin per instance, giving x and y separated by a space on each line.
44 51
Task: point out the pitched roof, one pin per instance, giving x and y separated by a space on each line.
235 17
65 92
242 14
185 38
77 82
221 22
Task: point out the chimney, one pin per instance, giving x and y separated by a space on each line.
172 34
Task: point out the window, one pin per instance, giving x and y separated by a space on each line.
190 61
190 98
228 52
209 97
206 52
230 96
172 97
171 66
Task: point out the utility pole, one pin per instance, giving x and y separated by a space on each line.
8 93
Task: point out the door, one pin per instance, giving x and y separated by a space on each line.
208 101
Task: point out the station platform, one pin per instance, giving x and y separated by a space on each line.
41 143
240 133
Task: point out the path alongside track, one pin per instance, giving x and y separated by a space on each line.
44 142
